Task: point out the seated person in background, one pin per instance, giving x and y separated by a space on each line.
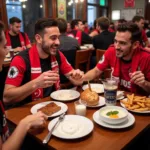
15 39
31 121
68 46
111 27
77 32
37 73
129 62
139 20
68 27
105 38
95 31
86 28
66 42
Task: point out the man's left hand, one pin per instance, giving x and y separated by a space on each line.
138 78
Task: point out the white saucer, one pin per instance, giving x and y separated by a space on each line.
130 121
101 102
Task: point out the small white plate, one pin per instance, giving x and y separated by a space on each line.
101 102
130 121
63 106
98 88
83 47
7 59
140 112
120 95
65 95
72 127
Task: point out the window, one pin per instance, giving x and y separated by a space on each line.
29 12
115 15
14 9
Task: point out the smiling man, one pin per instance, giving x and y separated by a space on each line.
129 62
34 73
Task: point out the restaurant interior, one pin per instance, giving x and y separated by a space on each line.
97 114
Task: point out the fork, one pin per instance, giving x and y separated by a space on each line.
47 138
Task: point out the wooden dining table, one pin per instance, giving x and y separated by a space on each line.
99 139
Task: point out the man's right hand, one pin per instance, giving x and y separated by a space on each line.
35 121
18 49
46 79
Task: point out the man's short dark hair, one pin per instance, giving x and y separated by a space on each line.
1 30
133 29
74 23
137 18
103 22
62 25
13 20
43 23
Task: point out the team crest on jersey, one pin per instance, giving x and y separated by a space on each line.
13 72
102 59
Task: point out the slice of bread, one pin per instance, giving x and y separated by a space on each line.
50 109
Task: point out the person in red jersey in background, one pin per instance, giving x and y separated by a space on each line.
139 20
16 39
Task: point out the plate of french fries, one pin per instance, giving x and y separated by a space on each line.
139 104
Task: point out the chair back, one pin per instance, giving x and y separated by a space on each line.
82 61
99 54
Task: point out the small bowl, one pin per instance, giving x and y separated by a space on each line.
103 114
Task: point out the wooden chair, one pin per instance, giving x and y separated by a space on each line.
99 54
82 60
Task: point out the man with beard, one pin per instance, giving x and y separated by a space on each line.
128 61
77 32
36 70
16 40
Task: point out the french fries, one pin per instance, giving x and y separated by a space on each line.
137 103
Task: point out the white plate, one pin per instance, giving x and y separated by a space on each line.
101 102
65 95
63 106
130 121
121 95
72 127
83 47
7 59
98 88
140 112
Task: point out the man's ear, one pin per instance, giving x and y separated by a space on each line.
136 44
76 27
38 38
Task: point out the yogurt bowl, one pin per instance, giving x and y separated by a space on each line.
113 114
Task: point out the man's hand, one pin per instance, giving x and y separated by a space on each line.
137 78
76 76
46 79
35 121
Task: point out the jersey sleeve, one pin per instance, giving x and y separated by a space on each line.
104 62
27 41
16 71
65 66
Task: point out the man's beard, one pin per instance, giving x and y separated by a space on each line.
15 32
47 49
